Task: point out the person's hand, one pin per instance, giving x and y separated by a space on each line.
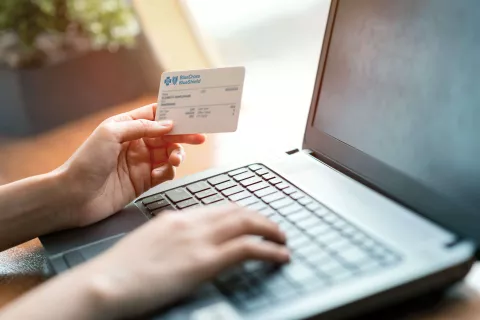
171 255
124 157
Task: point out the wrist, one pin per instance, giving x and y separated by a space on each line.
62 198
103 287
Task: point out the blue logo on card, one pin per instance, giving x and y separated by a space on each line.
183 79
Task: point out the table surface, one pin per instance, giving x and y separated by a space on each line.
24 267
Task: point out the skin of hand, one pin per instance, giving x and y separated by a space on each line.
124 157
155 265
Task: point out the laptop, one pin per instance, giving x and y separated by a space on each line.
381 202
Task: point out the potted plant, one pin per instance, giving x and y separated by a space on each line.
62 59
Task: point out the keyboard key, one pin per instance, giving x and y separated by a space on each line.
255 167
255 300
218 179
229 192
340 274
358 237
247 201
265 192
377 250
177 195
276 218
258 186
315 285
198 186
298 216
340 244
205 193
239 196
212 199
308 248
257 206
290 209
269 176
262 171
275 181
291 231
317 257
282 185
281 203
225 185
349 230
244 176
158 204
369 243
298 272
313 206
318 229
339 224
218 203
322 212
273 197
305 200
297 241
330 266
308 223
289 190
368 266
287 227
328 237
297 195
187 203
329 218
389 259
279 287
238 171
250 181
353 255
158 211
154 198
267 212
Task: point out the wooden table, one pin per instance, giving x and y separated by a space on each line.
24 267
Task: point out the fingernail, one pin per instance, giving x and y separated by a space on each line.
165 123
286 253
180 156
158 170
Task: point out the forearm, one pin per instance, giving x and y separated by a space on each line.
73 295
32 207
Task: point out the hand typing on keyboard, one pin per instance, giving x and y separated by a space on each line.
168 257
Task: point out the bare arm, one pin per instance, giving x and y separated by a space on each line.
179 252
32 207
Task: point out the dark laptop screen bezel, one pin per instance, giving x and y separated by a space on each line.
374 173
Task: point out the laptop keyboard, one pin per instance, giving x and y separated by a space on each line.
326 250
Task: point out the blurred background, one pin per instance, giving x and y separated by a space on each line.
66 65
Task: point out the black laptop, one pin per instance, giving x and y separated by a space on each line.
382 201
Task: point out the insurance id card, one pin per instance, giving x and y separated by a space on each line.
201 101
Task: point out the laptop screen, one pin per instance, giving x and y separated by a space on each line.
401 84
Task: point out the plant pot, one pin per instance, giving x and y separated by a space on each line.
35 100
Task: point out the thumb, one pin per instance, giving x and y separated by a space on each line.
136 129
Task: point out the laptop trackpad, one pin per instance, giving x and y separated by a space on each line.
74 258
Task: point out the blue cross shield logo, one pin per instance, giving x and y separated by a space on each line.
175 80
167 81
